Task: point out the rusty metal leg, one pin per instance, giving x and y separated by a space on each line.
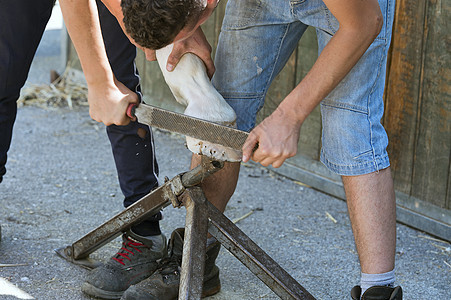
145 207
193 260
199 214
254 258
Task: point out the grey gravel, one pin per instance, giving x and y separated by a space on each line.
61 183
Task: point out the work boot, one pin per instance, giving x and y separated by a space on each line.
136 260
164 283
377 293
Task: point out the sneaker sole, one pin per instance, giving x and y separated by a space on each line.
99 293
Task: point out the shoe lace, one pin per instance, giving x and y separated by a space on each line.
128 245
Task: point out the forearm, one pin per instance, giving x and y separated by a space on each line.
334 63
108 99
82 22
339 56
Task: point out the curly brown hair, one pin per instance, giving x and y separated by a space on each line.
154 24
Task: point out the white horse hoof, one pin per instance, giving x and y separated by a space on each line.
191 86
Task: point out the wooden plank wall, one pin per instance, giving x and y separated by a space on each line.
418 104
417 116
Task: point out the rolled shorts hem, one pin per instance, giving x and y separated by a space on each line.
379 163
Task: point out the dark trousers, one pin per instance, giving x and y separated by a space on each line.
22 24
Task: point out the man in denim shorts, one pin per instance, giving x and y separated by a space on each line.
256 40
347 80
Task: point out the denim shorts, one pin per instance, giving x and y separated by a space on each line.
257 39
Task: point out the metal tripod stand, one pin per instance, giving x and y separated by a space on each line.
201 217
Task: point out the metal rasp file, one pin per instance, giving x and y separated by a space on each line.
189 126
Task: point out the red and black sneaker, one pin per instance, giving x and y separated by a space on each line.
164 283
135 261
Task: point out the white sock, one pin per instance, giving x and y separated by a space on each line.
157 242
383 279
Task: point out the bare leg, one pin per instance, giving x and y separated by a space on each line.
219 187
372 210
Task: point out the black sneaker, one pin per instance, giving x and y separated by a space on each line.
164 283
136 260
377 293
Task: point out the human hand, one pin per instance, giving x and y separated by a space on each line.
197 44
277 138
108 102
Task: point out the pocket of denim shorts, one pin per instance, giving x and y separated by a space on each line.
296 2
241 14
362 155
343 105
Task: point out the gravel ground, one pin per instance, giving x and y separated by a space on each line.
62 183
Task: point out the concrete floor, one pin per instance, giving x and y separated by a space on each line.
61 183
